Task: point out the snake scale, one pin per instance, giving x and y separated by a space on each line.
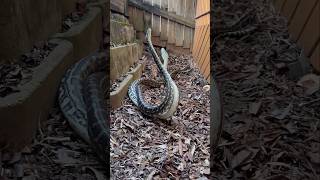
82 102
169 104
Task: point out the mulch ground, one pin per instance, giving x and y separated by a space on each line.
271 127
147 148
56 153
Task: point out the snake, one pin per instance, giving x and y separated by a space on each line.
169 104
81 100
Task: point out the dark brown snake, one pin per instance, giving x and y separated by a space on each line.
82 102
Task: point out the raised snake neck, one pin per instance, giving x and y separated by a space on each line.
170 102
86 116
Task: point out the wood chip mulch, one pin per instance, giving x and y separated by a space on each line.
56 153
272 128
74 17
19 71
146 148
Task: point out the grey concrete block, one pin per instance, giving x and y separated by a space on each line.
122 57
121 33
21 112
117 96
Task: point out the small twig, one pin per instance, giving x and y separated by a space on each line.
310 102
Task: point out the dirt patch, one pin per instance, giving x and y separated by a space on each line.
19 72
271 126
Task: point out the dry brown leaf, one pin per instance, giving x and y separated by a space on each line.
240 158
254 108
98 174
180 147
310 82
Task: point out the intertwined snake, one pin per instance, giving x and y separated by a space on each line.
169 104
82 102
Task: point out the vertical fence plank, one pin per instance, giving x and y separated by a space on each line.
300 17
164 29
138 19
171 5
187 37
201 45
278 4
198 47
182 8
195 42
315 58
206 48
179 34
304 22
289 9
147 20
164 5
191 40
155 25
156 3
171 33
311 32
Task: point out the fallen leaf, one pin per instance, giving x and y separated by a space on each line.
254 108
281 113
310 82
240 158
98 174
64 157
314 157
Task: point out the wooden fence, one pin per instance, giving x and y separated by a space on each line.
201 46
172 21
304 25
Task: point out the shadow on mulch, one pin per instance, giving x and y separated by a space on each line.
56 153
271 118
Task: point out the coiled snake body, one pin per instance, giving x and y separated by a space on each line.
170 102
82 103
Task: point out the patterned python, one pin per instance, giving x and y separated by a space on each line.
82 103
169 105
